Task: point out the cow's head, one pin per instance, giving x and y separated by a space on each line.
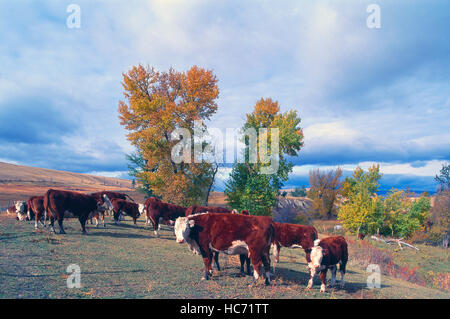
106 205
141 208
182 228
317 253
20 209
235 211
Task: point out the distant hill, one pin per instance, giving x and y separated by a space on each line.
19 182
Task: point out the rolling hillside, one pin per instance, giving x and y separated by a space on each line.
18 182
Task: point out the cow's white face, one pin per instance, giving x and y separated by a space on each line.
316 258
107 205
182 228
141 208
20 206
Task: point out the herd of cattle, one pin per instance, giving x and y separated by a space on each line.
207 230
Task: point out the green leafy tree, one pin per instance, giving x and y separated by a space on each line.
356 213
250 188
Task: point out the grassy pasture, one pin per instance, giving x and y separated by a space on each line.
127 262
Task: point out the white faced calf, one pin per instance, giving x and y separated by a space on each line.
326 254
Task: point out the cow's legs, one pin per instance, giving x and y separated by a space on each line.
208 269
52 222
276 252
216 260
342 271
323 279
256 262
312 273
96 221
83 220
333 275
266 262
134 221
103 219
156 225
61 228
244 259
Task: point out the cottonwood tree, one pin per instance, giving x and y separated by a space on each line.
324 188
157 103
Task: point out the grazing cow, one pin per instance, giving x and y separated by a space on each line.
232 234
122 208
196 209
100 197
21 208
156 209
326 254
36 210
292 235
57 203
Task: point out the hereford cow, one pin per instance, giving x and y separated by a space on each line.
326 254
100 197
57 203
122 208
292 235
156 210
36 210
231 234
21 209
196 209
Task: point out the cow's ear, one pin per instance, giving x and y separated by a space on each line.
191 223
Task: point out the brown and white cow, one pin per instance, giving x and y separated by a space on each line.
293 235
57 203
123 208
110 195
36 210
20 208
155 210
231 234
326 254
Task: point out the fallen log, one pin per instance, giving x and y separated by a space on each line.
390 241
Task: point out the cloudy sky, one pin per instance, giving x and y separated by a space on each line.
364 94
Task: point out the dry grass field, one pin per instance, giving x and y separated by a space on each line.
122 261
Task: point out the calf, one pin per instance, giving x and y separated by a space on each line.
110 195
36 210
122 208
57 203
232 234
292 235
156 210
326 254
